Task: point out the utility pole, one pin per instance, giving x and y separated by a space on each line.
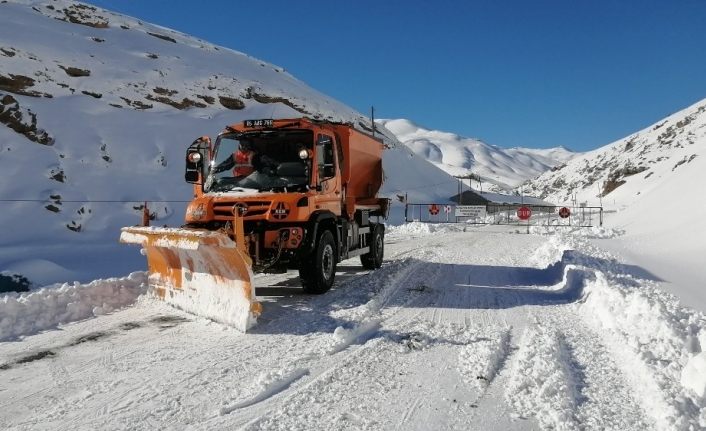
372 119
522 194
406 206
600 193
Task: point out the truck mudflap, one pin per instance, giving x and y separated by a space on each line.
199 271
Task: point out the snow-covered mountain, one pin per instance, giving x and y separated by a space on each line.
651 184
499 168
624 170
96 111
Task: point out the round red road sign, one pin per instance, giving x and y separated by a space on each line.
433 209
564 212
524 213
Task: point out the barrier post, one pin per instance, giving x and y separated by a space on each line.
601 217
145 215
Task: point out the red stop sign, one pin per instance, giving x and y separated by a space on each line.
564 212
524 213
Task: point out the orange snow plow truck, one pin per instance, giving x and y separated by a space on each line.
269 195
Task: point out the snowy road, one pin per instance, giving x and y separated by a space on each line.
482 329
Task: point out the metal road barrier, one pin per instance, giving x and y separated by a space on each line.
505 214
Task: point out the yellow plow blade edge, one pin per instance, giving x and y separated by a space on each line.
199 271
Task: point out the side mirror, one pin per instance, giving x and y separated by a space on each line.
196 156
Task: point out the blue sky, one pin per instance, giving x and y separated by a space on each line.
538 73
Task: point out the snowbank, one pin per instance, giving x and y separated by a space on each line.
416 228
693 376
658 342
660 345
587 232
29 313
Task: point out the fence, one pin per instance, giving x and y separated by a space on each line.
505 214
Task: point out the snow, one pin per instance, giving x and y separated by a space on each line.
693 376
28 313
480 361
414 229
648 328
358 334
270 383
463 327
500 169
483 328
541 384
658 208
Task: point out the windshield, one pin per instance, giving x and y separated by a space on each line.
262 160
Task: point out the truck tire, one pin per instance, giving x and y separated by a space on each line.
373 260
318 272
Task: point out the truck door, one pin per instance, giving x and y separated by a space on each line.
328 177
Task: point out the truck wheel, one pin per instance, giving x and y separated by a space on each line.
317 273
373 260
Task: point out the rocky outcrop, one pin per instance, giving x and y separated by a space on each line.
22 121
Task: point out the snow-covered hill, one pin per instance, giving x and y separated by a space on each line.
623 170
651 183
96 110
499 168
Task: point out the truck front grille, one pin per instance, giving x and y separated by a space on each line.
223 210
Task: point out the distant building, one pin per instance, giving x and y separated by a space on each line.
475 197
469 197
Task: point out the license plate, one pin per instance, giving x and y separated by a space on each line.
258 123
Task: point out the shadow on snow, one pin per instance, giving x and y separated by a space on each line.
458 286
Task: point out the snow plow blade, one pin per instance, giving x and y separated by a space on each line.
199 271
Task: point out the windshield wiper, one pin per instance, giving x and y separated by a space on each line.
223 185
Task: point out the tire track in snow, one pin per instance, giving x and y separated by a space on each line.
558 360
426 298
509 299
481 360
651 335
542 384
607 399
264 397
408 414
270 390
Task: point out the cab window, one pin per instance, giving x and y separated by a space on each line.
325 157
